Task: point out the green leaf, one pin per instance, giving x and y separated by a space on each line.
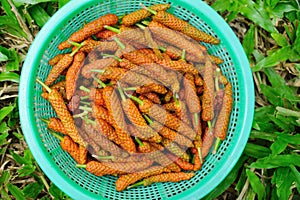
19 159
297 176
283 181
273 59
282 124
280 39
9 76
32 190
282 8
5 176
56 192
272 94
39 15
13 65
272 3
278 146
3 137
19 3
227 181
61 3
26 170
261 122
28 156
241 182
16 192
257 14
3 57
5 195
256 184
291 139
256 151
4 128
263 135
297 40
5 111
276 161
248 42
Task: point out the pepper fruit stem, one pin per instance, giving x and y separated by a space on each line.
55 135
121 45
139 141
47 121
77 49
130 89
113 29
217 79
136 184
84 108
148 9
121 92
145 22
103 157
141 26
217 144
183 55
200 154
98 71
81 166
44 85
101 83
111 56
148 119
196 118
84 89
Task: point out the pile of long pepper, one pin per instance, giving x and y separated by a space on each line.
141 98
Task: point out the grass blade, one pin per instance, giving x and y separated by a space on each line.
5 111
16 192
276 161
39 15
256 184
9 76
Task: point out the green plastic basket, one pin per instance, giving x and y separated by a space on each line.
60 167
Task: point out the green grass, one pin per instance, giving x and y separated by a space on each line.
269 167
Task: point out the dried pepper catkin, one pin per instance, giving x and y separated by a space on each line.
125 180
136 16
78 153
91 28
58 104
153 87
207 142
165 177
192 99
107 130
55 124
172 37
208 93
153 97
175 149
184 165
53 61
159 114
102 141
114 108
105 34
156 138
73 73
99 111
177 24
98 64
224 116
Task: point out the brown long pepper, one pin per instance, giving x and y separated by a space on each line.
102 141
105 34
178 24
63 113
224 116
99 111
125 180
153 87
159 114
138 15
90 29
207 142
165 177
175 149
55 124
57 69
107 130
184 165
192 99
98 64
208 93
114 108
94 94
153 97
156 138
73 73
78 153
53 61
172 37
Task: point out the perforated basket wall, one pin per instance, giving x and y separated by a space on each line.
60 167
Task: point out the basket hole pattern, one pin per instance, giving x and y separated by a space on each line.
104 186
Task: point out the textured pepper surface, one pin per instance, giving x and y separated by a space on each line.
64 115
168 177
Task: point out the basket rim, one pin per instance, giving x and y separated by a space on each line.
27 81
